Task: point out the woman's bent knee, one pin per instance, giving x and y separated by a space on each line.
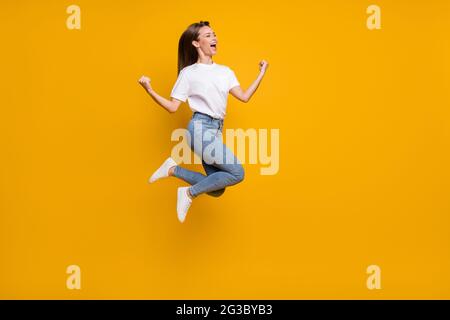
239 174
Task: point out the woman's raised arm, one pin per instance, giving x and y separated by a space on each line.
245 96
170 105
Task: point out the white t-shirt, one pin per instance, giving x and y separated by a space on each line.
206 87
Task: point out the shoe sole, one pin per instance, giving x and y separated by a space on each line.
179 194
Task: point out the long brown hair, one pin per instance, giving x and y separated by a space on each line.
187 53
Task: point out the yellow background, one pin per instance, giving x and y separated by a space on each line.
364 152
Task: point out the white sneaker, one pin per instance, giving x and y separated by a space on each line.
183 203
163 170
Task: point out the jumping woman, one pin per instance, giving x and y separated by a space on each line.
205 84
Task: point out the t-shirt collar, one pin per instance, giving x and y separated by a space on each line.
208 65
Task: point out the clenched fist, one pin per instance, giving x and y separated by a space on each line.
263 65
145 82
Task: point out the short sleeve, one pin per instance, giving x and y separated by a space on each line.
180 89
233 81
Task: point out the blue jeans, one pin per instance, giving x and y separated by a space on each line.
205 133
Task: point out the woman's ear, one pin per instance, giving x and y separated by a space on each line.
195 44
